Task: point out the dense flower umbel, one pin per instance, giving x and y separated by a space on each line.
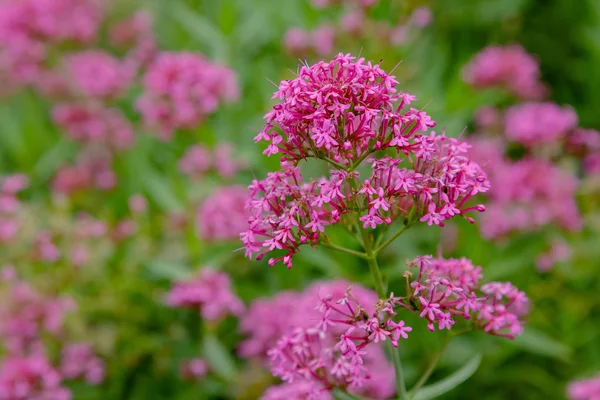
181 89
210 293
538 123
435 186
347 112
292 316
510 67
334 350
585 389
344 110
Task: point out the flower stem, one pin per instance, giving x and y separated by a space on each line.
430 368
378 282
392 238
400 384
344 249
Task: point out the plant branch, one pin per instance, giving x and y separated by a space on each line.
344 250
430 368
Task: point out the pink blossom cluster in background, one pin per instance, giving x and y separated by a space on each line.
193 369
30 28
538 123
181 89
430 177
94 123
269 323
98 74
10 186
585 389
509 67
31 377
354 23
535 193
198 160
78 360
27 319
223 215
210 293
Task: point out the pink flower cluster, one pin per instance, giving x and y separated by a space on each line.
94 123
320 40
223 215
28 28
10 186
181 89
31 378
87 173
198 160
539 123
209 293
193 369
559 251
78 360
291 317
345 112
27 318
510 67
535 193
134 34
98 74
27 315
585 389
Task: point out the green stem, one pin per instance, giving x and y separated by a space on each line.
430 368
344 249
402 395
392 238
378 281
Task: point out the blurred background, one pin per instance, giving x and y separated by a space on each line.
115 185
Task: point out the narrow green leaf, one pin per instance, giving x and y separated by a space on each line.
447 384
167 270
537 342
201 29
219 358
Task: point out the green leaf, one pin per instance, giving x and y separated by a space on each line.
167 270
447 384
537 342
219 358
201 29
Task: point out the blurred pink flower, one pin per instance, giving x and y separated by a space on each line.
31 378
585 389
138 204
353 22
223 215
181 89
538 123
98 74
421 17
94 123
323 40
296 41
210 293
510 67
193 369
78 360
